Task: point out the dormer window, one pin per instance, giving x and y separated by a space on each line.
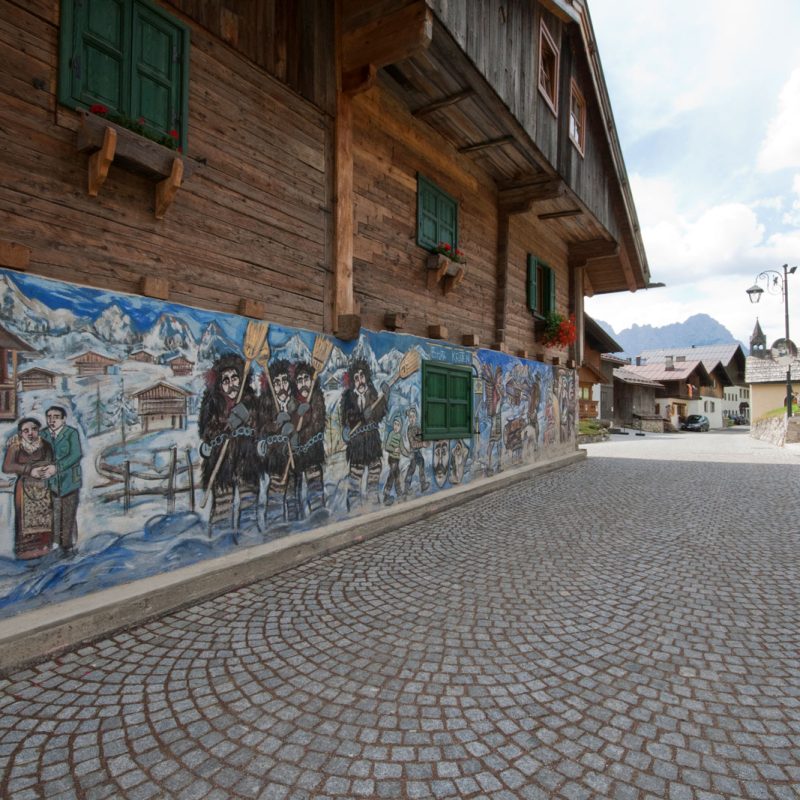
577 117
548 67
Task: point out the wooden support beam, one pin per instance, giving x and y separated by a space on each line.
437 332
519 198
359 80
348 326
522 353
14 255
100 161
445 102
588 289
578 253
392 37
153 286
168 188
501 279
572 363
474 148
394 320
500 347
630 278
555 360
252 308
454 281
567 212
470 340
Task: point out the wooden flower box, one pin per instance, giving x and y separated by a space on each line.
108 143
445 271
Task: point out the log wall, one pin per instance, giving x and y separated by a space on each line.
251 222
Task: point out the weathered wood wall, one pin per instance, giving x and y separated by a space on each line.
502 39
253 222
390 147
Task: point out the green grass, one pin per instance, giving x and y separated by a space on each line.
779 412
589 427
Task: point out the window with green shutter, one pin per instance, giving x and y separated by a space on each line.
128 55
541 287
437 215
446 401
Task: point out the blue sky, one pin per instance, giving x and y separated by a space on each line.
706 99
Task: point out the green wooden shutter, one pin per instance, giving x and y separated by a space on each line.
551 290
159 66
448 220
459 395
427 214
532 269
93 59
434 393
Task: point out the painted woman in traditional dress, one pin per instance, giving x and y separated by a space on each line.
27 457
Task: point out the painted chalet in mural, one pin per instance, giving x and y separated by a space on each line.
266 266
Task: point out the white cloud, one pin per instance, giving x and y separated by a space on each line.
781 146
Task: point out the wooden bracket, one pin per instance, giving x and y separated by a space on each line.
522 353
252 308
452 281
14 255
501 347
168 188
556 361
348 326
572 363
100 161
152 286
471 340
437 332
359 80
394 320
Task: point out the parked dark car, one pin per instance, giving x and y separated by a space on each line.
695 422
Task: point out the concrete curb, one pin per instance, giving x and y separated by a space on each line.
34 635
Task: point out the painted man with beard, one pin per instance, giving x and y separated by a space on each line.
309 453
362 410
277 429
223 419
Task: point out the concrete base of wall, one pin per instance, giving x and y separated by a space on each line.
772 430
34 635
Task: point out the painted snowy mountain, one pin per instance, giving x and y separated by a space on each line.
115 326
293 350
214 343
170 333
27 315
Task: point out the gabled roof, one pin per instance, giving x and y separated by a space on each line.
768 370
8 341
627 376
680 371
730 356
598 339
167 387
611 359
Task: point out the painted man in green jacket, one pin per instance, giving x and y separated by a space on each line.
64 477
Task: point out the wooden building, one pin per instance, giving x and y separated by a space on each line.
591 375
327 150
10 347
143 357
37 378
181 366
91 363
162 406
635 401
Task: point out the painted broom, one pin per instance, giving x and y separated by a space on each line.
255 339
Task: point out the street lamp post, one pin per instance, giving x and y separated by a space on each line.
776 282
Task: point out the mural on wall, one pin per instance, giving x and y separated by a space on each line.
140 436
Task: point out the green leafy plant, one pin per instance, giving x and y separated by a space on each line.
559 331
172 141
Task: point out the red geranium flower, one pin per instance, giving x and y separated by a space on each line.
98 108
173 133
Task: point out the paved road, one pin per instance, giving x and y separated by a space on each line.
628 627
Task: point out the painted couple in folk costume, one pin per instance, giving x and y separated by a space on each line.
47 464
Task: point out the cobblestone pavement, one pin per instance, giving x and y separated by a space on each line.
628 627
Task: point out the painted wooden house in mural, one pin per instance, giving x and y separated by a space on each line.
162 405
91 363
37 378
180 366
401 198
10 348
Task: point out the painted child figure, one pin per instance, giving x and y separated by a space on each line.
416 444
394 449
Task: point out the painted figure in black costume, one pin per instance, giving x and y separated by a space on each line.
223 419
277 419
362 410
309 453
